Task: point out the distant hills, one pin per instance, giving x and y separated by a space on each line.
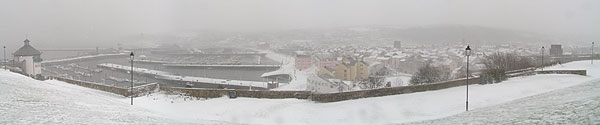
365 35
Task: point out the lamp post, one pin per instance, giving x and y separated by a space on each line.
592 53
542 65
467 53
4 48
131 89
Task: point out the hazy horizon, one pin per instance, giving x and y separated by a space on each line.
68 23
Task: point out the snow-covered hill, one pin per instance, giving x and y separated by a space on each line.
380 110
24 100
27 101
577 105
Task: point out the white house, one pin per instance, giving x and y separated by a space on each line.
326 84
28 59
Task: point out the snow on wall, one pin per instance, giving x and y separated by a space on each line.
137 91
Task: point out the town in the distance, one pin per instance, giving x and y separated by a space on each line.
298 65
300 62
158 76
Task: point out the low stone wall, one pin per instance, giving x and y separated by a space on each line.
137 91
273 94
145 89
334 97
198 92
319 97
520 72
577 72
106 88
215 93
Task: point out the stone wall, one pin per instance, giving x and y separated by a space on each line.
145 89
215 93
325 97
577 72
334 97
273 94
318 97
138 91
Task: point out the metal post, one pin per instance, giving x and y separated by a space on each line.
4 58
542 65
131 90
467 52
592 57
467 102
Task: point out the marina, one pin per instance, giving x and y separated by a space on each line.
94 68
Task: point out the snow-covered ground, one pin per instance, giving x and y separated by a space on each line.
299 80
299 77
399 79
578 104
380 110
57 98
27 101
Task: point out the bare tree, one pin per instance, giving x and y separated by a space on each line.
374 81
430 74
498 63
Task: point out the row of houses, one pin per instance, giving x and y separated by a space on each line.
334 73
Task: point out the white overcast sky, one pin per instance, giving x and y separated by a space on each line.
88 22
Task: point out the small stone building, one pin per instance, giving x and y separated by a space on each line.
28 59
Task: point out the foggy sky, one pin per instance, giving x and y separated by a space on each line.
77 23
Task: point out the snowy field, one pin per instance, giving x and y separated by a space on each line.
578 104
380 110
26 101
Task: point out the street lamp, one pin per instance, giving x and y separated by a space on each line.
467 53
4 57
131 89
542 65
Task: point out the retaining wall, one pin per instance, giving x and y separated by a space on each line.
334 97
319 97
215 93
577 72
137 91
